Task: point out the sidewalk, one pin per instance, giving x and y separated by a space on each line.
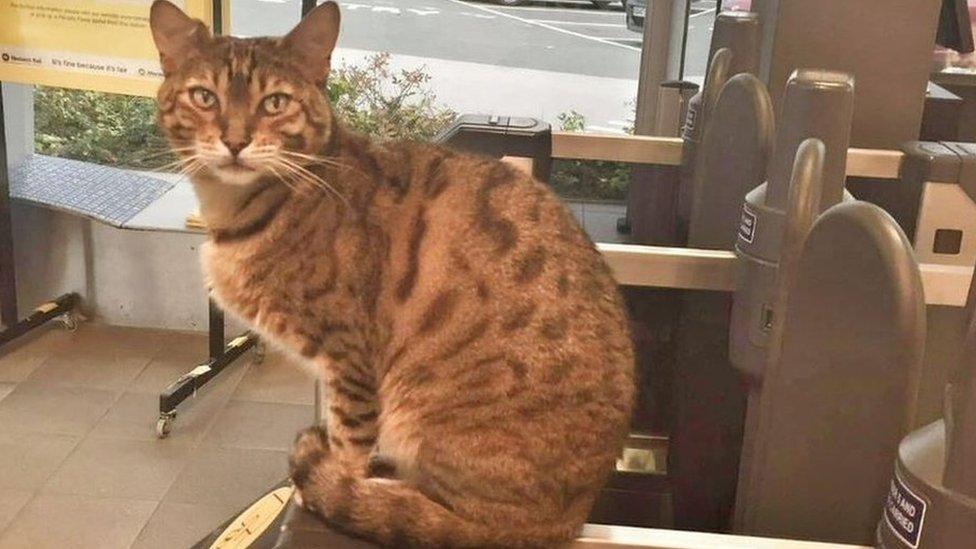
475 88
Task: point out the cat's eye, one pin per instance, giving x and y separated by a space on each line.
203 98
275 103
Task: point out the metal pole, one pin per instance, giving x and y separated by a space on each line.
215 332
8 280
218 17
662 56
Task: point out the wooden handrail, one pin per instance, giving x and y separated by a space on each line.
601 536
693 269
666 151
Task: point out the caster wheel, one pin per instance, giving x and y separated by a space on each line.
69 321
260 352
163 426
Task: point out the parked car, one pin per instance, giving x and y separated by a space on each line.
635 10
602 4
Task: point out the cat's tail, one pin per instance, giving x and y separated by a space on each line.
396 514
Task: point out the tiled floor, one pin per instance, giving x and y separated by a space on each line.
80 465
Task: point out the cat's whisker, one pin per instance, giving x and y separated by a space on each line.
162 153
166 155
314 179
323 162
281 178
170 165
319 160
299 177
292 168
296 164
294 177
181 164
264 158
190 166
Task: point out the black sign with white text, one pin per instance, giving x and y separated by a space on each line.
904 512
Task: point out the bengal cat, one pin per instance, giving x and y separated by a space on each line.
477 357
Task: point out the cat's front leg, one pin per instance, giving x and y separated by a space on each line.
351 415
309 452
311 446
348 432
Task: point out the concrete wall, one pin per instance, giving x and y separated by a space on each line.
127 278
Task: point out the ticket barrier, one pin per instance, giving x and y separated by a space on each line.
828 328
931 499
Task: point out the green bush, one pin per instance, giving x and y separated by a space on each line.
120 130
588 179
372 98
385 104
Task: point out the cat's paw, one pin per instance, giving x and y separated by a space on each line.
380 466
310 449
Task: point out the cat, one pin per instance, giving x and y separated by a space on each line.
474 346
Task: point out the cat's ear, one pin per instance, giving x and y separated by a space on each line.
314 39
178 37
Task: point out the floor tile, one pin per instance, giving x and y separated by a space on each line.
28 459
134 417
228 477
181 525
80 465
59 521
119 468
20 358
99 357
276 380
172 341
11 502
46 408
267 425
178 353
172 362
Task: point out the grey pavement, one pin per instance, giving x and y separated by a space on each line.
537 60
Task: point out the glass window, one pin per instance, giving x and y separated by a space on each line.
574 64
406 68
701 18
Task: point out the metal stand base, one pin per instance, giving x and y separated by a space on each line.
221 356
61 308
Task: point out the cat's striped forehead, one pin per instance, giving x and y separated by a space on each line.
236 67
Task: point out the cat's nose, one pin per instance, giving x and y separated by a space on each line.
234 146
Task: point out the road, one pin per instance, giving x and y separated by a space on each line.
538 60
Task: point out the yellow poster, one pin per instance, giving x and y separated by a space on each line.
102 45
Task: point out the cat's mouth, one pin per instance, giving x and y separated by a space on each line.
236 172
235 166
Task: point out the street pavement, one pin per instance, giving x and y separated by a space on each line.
537 60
